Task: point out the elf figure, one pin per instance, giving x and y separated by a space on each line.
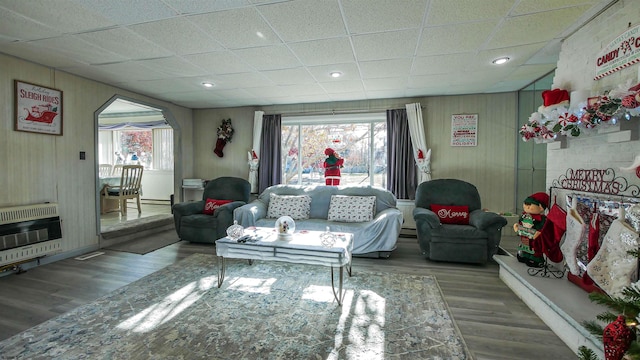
528 227
332 165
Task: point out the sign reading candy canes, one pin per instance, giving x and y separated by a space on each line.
622 52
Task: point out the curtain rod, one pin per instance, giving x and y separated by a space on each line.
335 112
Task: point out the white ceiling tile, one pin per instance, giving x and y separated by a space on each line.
67 16
177 34
365 16
529 29
384 84
301 20
517 55
82 51
535 6
385 68
31 51
290 76
458 38
131 70
246 80
200 6
173 66
528 72
263 91
343 86
245 47
90 72
321 73
269 57
460 11
307 89
322 52
442 64
234 94
125 43
220 62
237 29
388 45
173 85
426 81
126 12
17 27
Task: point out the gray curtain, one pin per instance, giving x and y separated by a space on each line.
269 170
402 178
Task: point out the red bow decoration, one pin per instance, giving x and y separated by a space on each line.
420 155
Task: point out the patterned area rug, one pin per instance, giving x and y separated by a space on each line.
269 310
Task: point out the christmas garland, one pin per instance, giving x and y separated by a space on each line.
545 125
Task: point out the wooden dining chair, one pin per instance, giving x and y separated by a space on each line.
129 188
117 170
104 170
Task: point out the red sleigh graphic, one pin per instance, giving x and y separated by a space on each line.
41 113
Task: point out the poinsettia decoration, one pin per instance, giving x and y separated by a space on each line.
225 130
545 125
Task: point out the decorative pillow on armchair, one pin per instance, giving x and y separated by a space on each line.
452 214
212 204
297 207
351 208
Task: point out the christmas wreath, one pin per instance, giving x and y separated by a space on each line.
225 134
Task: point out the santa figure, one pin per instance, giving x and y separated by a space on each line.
332 165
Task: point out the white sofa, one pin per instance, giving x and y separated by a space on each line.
374 238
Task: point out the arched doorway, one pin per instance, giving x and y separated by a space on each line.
132 131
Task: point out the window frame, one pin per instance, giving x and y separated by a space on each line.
339 119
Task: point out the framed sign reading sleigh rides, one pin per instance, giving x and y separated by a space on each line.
38 109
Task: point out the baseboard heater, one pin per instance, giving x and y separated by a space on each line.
29 232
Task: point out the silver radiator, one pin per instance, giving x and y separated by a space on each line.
29 232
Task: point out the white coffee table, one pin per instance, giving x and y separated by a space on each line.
304 247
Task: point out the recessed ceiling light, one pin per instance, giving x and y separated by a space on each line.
335 74
207 84
500 61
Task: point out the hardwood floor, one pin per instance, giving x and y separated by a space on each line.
494 322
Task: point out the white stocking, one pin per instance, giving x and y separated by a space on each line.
575 231
612 268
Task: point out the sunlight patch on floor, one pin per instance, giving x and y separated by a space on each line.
172 305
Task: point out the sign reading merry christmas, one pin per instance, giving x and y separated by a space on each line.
623 51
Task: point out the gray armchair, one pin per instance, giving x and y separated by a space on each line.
195 226
473 243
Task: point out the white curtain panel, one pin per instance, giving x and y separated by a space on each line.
419 141
253 163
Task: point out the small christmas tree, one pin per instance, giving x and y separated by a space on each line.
619 336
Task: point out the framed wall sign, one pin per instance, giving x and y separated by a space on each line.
38 109
464 130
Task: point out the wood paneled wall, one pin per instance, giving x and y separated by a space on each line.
37 168
490 165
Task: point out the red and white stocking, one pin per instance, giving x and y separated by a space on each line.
220 144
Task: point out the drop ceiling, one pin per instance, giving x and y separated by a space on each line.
267 52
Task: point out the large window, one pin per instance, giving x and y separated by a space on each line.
359 138
152 148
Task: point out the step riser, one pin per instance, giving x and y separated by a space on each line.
135 234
